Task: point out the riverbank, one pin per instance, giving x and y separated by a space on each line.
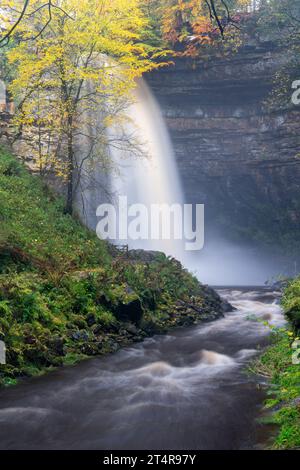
184 390
280 364
65 295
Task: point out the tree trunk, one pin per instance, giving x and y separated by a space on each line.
70 176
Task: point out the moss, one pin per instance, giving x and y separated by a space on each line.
35 232
284 389
291 303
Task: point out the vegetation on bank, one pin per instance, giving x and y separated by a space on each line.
281 364
66 295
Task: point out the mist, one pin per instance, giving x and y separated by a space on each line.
222 263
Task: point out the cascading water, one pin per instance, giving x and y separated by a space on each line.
152 179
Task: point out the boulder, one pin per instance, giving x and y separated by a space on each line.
57 346
293 315
91 319
131 329
80 336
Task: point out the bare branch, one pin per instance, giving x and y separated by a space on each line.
5 39
215 16
24 13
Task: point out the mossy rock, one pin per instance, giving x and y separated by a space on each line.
293 314
131 311
125 303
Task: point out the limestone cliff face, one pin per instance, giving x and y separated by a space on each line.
233 154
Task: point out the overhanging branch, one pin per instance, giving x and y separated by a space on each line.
24 13
216 16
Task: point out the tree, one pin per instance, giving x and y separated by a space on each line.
280 21
189 23
27 8
74 80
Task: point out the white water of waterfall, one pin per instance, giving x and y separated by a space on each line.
152 179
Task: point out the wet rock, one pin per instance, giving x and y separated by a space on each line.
280 284
104 300
90 349
151 329
12 356
113 345
57 346
214 302
227 307
112 328
285 404
91 319
97 329
137 339
37 354
53 360
129 290
123 332
80 336
131 311
131 328
210 316
293 314
80 323
29 339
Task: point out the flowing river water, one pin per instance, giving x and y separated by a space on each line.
185 390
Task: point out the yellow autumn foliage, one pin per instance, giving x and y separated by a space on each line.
72 61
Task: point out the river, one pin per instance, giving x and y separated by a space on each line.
185 390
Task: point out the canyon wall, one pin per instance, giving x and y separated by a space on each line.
234 154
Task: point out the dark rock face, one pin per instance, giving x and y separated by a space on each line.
214 302
57 346
293 314
234 155
131 311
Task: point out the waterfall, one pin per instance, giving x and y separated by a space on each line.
140 166
152 179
